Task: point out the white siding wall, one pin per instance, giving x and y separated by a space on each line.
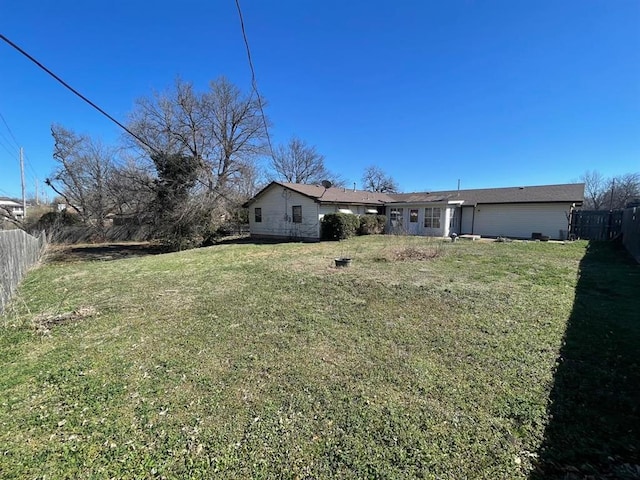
277 218
354 209
420 229
467 220
509 220
521 220
324 209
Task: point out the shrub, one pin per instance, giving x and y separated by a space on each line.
53 220
372 224
338 226
214 233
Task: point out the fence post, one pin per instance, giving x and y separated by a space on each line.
603 225
18 252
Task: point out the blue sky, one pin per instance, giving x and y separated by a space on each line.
494 93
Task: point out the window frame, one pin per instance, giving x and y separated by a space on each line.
296 213
396 214
257 214
431 220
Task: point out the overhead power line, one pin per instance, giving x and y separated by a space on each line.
9 130
8 150
73 90
3 139
254 84
27 160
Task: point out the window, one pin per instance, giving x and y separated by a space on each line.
258 214
296 213
432 217
396 215
413 215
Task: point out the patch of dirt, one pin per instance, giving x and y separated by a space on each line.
44 321
101 251
416 253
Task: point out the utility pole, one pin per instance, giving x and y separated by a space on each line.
613 187
24 198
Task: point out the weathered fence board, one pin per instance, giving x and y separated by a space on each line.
631 231
596 224
18 252
609 225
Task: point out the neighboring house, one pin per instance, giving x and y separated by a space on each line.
515 212
11 207
293 210
287 210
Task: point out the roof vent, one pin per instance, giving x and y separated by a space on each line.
521 188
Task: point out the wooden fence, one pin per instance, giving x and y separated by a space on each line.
609 225
18 252
596 224
631 231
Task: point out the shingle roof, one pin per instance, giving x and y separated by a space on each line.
333 194
568 192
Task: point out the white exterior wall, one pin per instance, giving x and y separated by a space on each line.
277 218
521 220
492 220
335 208
324 209
419 228
466 222
277 214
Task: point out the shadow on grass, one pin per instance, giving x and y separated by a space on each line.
102 252
594 411
248 240
118 250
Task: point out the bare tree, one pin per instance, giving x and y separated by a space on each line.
375 180
623 189
222 128
609 193
298 162
219 135
132 187
82 175
595 186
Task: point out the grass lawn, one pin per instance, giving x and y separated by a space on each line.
266 361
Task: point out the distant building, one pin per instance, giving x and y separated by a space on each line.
11 207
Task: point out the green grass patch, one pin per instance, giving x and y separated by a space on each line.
266 361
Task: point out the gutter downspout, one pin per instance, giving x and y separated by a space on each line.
318 218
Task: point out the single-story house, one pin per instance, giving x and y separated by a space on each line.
294 210
289 210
